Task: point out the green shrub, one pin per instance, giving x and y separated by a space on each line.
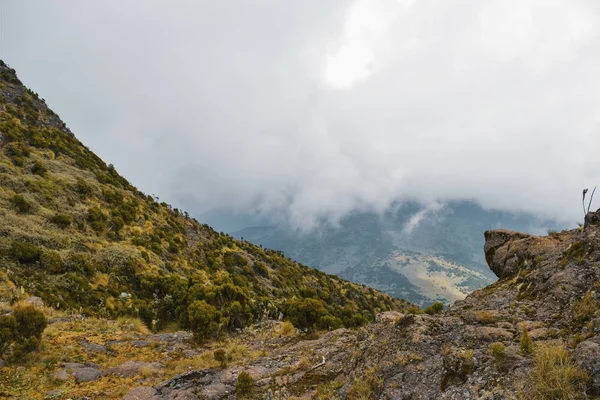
23 347
23 329
51 261
83 188
17 151
117 223
355 321
414 310
526 343
305 313
330 323
31 322
237 317
221 357
498 351
435 308
585 308
97 219
25 253
61 220
38 168
204 320
7 332
244 388
22 205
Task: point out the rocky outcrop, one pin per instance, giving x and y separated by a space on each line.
592 218
547 287
508 252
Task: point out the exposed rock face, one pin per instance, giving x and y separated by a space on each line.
546 287
592 218
141 393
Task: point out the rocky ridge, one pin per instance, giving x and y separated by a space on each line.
547 288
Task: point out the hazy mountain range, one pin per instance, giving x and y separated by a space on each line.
420 253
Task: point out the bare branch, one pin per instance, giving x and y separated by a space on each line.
583 202
591 198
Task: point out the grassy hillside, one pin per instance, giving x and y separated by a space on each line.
81 237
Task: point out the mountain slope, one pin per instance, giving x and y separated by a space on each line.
532 335
414 252
81 237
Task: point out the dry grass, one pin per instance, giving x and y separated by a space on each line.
327 391
366 387
486 317
63 342
585 308
286 329
133 324
554 376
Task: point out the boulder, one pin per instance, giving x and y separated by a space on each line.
502 259
35 301
487 334
61 375
86 374
587 353
93 347
133 368
592 218
141 393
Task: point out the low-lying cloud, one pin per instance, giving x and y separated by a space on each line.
308 110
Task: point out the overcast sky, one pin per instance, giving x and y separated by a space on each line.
314 108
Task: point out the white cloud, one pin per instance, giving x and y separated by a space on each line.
311 109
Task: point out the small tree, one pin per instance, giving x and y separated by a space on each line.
221 357
305 313
204 320
24 329
7 332
435 308
526 343
244 387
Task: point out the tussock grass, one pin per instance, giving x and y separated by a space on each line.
554 376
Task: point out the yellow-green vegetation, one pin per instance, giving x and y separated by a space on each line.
244 388
486 317
555 375
526 343
286 329
585 308
220 356
81 237
61 342
21 332
498 351
501 359
327 391
414 310
368 386
575 252
434 308
467 364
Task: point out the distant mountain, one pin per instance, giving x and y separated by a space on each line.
414 252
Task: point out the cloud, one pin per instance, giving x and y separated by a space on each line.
416 218
308 110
